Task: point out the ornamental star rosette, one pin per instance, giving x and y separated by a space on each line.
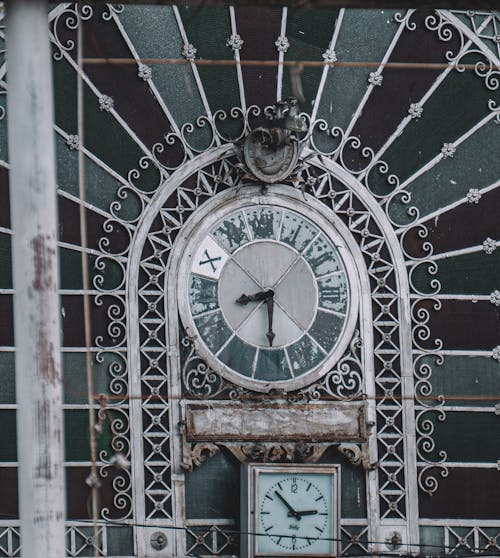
235 42
106 103
448 150
495 298
282 43
473 196
375 78
189 52
329 55
415 110
489 245
73 142
496 353
144 72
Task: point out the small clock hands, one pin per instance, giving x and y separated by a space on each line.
291 511
305 512
268 297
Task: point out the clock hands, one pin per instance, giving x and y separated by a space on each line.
268 297
291 511
305 512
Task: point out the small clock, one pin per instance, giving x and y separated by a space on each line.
290 510
267 293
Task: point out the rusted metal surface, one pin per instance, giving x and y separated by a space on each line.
36 276
277 421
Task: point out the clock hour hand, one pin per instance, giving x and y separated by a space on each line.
257 297
291 511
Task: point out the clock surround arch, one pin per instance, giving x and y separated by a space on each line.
381 518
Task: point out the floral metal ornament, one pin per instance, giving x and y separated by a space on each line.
375 78
495 353
330 55
489 245
473 196
282 43
106 103
235 42
189 52
144 72
73 142
448 150
415 110
495 298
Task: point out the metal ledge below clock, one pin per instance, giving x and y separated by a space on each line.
290 510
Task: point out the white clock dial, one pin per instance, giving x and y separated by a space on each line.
294 514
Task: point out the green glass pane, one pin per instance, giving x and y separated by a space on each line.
75 375
332 293
202 294
326 329
364 36
7 378
463 380
239 356
105 137
272 365
297 232
232 233
424 137
8 447
212 489
474 165
67 166
475 273
264 222
431 540
467 436
213 330
5 262
70 267
120 541
321 256
304 355
65 95
76 435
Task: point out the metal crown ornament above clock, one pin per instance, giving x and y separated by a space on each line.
271 153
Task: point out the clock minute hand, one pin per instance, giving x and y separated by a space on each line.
270 309
307 512
291 511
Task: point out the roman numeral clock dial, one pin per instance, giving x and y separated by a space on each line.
267 296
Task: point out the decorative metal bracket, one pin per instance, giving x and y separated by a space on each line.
357 456
270 154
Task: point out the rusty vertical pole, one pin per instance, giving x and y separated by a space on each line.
35 273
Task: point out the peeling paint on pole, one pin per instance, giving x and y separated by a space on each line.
35 273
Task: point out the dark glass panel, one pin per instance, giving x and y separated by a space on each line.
239 356
212 489
272 365
9 507
464 380
120 541
304 355
4 198
76 435
67 166
388 104
213 330
5 262
424 137
69 221
466 225
75 375
259 27
464 493
326 329
6 321
466 436
78 499
70 267
463 324
72 321
475 273
7 378
8 447
65 96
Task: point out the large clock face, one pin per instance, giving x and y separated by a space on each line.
268 298
294 513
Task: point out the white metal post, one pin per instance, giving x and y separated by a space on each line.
35 272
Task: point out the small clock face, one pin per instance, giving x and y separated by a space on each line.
268 296
295 514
